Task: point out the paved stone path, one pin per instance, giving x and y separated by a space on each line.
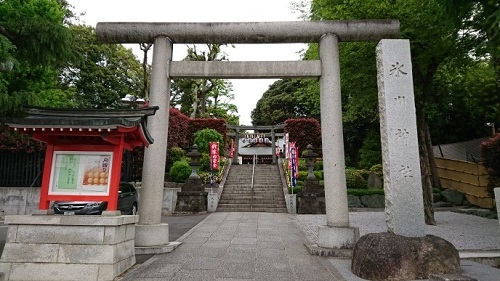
239 246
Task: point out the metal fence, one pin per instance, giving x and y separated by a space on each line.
18 168
21 169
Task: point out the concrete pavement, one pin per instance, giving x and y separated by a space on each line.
266 246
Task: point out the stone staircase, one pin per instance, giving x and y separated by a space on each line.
267 193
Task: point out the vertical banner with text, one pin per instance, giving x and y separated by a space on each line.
214 160
293 162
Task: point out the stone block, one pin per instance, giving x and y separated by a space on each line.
114 234
53 271
311 203
373 201
353 201
19 252
450 277
388 256
110 271
337 237
452 196
374 181
50 234
151 235
87 254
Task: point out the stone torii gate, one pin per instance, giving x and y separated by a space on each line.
150 232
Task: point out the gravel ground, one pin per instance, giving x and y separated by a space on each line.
465 232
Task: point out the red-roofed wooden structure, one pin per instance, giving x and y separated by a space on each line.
84 149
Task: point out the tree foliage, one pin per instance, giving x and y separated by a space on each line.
200 97
283 100
34 41
103 73
203 138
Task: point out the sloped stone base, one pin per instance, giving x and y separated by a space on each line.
56 247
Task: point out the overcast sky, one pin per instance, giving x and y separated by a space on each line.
247 91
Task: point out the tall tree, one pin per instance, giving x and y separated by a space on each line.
103 73
433 38
283 100
34 40
199 97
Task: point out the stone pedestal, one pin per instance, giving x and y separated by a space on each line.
337 237
56 247
191 202
311 200
311 203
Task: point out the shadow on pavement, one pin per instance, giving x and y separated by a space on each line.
178 225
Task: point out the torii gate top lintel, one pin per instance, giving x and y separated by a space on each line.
247 32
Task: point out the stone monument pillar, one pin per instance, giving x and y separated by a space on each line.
404 206
150 232
337 233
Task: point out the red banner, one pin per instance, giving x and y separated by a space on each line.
214 155
231 152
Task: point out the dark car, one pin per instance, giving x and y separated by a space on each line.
127 203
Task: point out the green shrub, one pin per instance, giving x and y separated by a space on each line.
203 138
354 179
302 176
302 165
318 174
361 192
204 163
295 189
364 173
378 170
176 154
319 165
180 171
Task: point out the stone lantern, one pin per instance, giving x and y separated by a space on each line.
311 162
195 162
311 199
192 198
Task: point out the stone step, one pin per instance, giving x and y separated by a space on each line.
263 210
249 200
268 202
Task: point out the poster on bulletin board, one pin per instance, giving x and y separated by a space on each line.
80 173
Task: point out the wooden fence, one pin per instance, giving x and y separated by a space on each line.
469 178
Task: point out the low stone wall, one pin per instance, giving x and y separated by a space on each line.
25 200
366 201
56 247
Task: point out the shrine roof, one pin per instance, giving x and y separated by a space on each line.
72 119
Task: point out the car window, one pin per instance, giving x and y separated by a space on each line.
124 188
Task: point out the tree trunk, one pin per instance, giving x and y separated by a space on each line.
435 180
425 170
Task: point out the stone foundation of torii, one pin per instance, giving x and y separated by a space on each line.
402 184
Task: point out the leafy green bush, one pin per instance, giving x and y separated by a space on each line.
295 189
378 170
364 173
204 163
203 138
361 192
174 154
354 179
180 171
318 174
302 175
319 165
